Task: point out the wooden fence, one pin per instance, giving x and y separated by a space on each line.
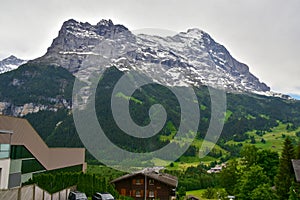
33 192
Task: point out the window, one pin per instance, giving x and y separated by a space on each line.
123 192
138 193
151 193
139 181
4 150
151 181
31 165
19 152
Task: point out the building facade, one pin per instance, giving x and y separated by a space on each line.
148 185
24 153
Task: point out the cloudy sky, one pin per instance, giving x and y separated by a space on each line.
264 34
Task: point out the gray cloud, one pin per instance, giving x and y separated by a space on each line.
264 34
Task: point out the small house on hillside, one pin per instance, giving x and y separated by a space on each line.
147 184
216 169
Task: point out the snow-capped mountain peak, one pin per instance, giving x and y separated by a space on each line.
10 63
105 22
190 57
194 33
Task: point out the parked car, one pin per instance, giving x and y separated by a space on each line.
102 196
76 195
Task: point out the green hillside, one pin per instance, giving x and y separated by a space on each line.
36 83
248 117
272 139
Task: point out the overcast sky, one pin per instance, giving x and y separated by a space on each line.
264 34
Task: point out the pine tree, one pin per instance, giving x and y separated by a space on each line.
285 175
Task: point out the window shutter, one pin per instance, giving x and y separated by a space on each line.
155 194
142 193
123 192
133 193
142 181
133 182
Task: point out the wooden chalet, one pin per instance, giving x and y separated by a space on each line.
148 185
191 197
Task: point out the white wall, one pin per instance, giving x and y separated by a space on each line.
4 166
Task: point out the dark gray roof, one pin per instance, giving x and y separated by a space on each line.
296 166
162 177
191 197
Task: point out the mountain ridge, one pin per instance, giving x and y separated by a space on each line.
187 58
41 90
10 63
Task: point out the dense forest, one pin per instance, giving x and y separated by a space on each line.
245 112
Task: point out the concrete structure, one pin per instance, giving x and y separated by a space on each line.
23 153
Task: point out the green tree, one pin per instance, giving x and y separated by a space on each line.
269 161
229 176
181 192
285 175
249 155
263 191
250 180
294 193
252 140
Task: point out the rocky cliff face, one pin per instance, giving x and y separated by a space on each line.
7 108
191 57
187 58
33 88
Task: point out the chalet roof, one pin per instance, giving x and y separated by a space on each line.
162 177
296 166
191 197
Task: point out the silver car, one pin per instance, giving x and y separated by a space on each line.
76 195
102 196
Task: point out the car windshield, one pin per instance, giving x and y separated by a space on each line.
107 197
80 196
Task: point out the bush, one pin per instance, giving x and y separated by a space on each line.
87 183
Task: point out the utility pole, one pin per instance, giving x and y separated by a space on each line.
145 198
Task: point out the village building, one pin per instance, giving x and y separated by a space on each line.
24 153
216 169
147 184
191 197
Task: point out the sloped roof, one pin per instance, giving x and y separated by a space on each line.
24 134
162 177
296 166
191 197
